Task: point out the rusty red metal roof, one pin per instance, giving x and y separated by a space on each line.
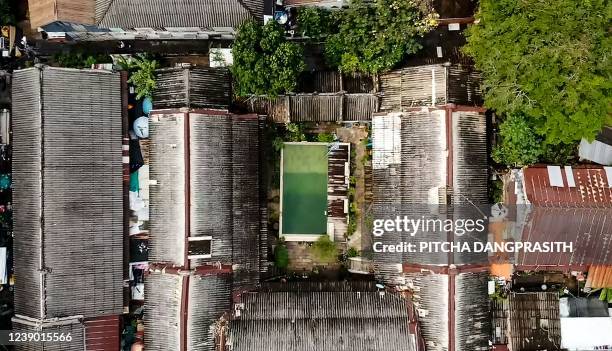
592 188
580 215
589 230
102 333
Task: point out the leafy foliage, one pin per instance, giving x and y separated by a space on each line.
142 74
316 22
281 255
520 145
325 138
548 61
79 60
373 39
352 252
295 132
264 62
324 250
6 13
606 295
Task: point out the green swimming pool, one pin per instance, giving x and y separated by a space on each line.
304 188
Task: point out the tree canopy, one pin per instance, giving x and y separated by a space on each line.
547 61
6 13
375 38
521 145
264 62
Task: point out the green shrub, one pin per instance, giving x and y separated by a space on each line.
142 74
352 252
324 250
325 138
281 255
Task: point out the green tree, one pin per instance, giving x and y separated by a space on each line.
6 13
316 22
548 61
264 62
324 250
375 38
520 145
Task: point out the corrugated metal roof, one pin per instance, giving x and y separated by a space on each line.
599 150
587 229
500 318
103 333
221 151
334 82
180 13
316 108
428 85
412 162
333 107
534 321
212 185
320 82
246 224
78 130
592 188
472 317
162 311
74 327
419 180
596 151
322 320
167 193
470 159
605 136
277 109
578 215
359 107
431 299
27 156
223 154
192 88
209 298
413 86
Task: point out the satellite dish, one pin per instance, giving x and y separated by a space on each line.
141 127
380 286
